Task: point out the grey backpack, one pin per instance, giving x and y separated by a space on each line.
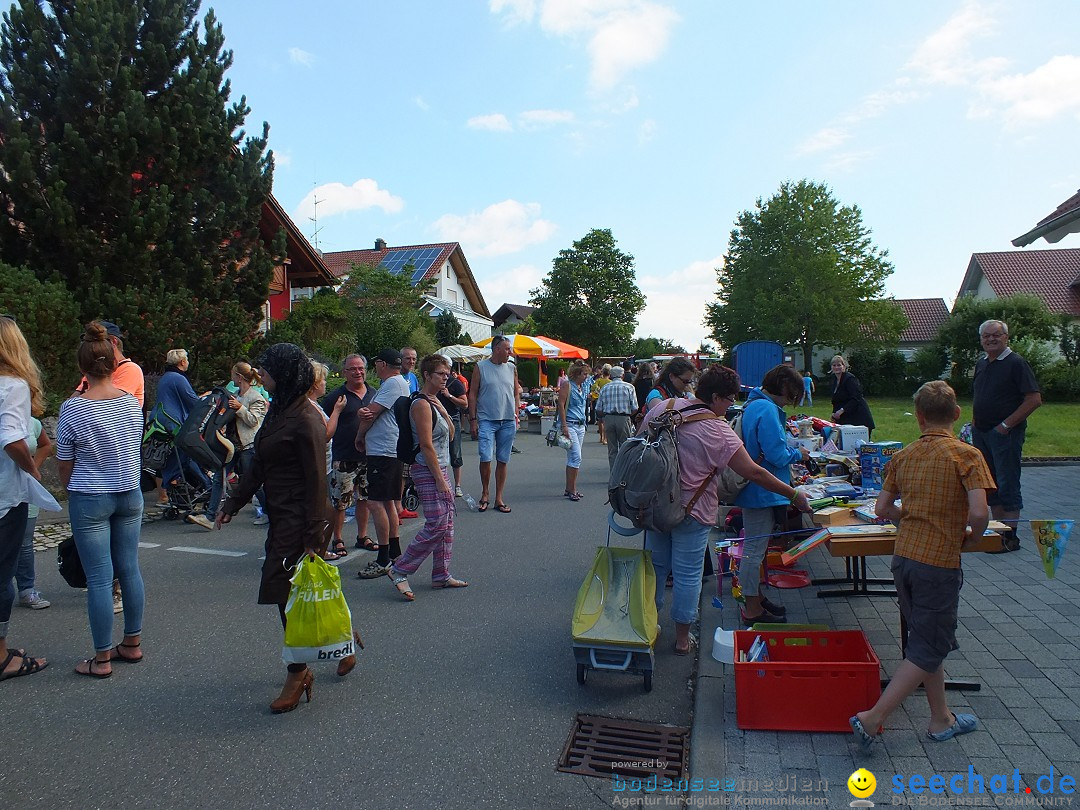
644 483
729 484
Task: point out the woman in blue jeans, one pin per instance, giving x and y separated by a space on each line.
705 447
573 393
98 441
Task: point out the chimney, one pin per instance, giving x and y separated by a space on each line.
380 244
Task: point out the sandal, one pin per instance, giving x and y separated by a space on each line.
116 655
691 644
482 506
502 507
449 582
339 548
365 543
402 585
330 555
90 662
574 496
28 667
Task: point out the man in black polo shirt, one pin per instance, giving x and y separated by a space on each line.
348 477
1005 393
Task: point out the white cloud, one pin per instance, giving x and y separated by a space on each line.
1050 90
299 56
338 198
847 162
647 131
511 286
282 159
945 56
623 35
495 122
537 119
517 11
505 227
419 102
823 140
676 301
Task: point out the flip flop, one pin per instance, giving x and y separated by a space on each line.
481 506
449 583
964 724
502 507
691 644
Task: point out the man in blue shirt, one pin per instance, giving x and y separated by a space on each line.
408 363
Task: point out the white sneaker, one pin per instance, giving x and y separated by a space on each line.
117 602
33 600
458 493
260 520
200 520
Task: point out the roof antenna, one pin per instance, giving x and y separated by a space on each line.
314 239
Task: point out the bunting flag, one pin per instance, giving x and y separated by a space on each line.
828 447
1051 536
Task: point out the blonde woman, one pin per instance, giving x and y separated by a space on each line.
848 403
21 395
571 403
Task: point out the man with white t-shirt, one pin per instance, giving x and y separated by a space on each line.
378 435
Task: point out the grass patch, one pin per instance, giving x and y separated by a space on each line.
1053 430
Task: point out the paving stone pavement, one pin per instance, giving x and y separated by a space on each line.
1018 636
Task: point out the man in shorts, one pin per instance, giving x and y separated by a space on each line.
348 476
378 435
494 399
942 484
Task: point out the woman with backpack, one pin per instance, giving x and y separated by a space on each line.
706 446
432 430
765 437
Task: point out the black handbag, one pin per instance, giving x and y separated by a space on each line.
69 564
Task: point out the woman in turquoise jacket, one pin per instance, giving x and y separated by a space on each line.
765 436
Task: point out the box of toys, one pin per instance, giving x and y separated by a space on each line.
873 457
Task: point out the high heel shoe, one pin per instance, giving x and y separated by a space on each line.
289 698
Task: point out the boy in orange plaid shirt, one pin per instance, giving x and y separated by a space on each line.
942 484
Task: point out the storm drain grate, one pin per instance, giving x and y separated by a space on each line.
602 746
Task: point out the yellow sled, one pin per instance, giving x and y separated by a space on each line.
614 621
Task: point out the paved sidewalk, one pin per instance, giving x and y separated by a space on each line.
1018 636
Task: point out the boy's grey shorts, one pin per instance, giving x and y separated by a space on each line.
929 596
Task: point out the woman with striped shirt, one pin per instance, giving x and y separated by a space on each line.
98 441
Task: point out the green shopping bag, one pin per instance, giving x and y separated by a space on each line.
318 624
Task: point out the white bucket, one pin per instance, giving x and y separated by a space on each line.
723 646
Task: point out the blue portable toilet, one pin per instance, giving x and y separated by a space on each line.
755 357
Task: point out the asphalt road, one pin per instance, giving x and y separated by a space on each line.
462 699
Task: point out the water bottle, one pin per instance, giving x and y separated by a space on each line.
470 502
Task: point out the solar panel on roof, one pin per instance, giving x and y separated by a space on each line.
421 260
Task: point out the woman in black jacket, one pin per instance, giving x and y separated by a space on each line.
848 404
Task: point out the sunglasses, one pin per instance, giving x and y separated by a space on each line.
11 318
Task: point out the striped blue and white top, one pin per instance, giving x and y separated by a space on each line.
104 438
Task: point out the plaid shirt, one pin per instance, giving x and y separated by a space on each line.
617 397
932 477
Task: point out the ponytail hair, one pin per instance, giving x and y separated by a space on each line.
95 354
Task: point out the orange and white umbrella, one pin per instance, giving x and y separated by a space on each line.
538 346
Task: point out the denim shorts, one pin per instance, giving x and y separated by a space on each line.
497 432
929 596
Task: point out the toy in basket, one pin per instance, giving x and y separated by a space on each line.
614 623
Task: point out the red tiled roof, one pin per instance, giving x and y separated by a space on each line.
926 315
341 262
1051 226
1053 275
1070 204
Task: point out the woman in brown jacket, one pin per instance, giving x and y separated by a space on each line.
290 464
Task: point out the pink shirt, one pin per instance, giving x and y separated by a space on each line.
704 446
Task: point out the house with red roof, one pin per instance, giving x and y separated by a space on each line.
455 289
300 273
925 317
1053 275
1056 225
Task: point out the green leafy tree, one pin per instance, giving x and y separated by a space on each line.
1069 340
524 327
387 308
325 325
590 298
651 346
49 318
802 270
125 174
447 329
1026 315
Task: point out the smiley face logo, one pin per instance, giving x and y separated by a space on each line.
862 783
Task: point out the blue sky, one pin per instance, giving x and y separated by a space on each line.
516 126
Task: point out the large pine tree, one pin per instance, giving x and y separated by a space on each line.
125 173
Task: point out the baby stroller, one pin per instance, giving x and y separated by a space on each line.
181 453
410 498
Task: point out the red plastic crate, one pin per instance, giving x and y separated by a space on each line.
813 680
